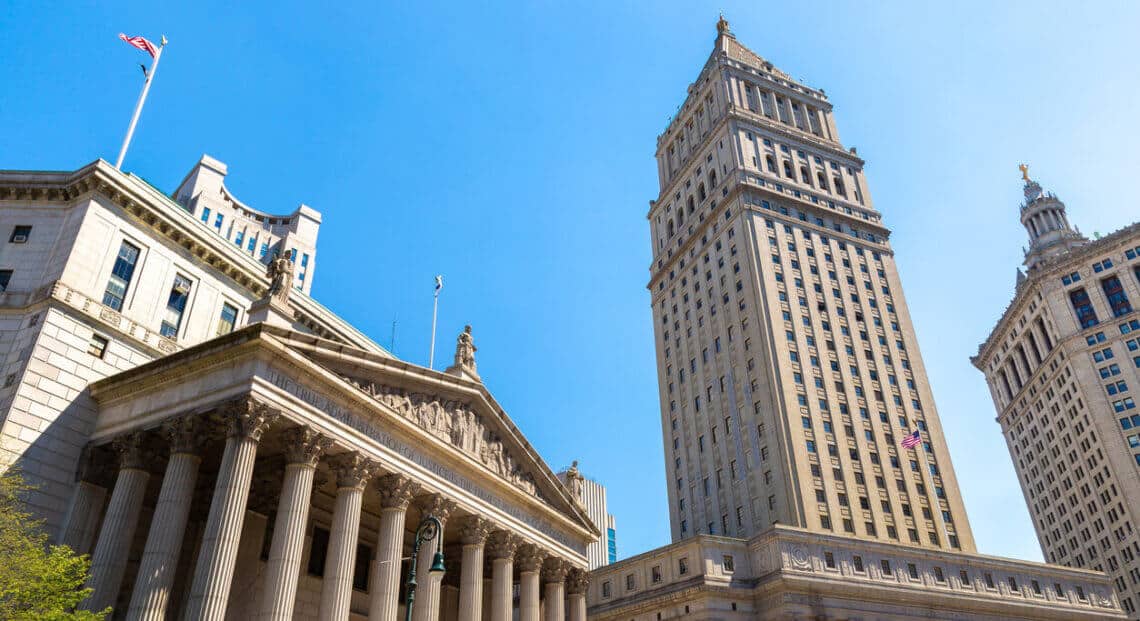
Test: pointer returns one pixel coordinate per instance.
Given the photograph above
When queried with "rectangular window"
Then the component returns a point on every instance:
(206, 215)
(1086, 315)
(5, 278)
(121, 274)
(238, 237)
(218, 222)
(1117, 300)
(252, 244)
(227, 319)
(175, 306)
(97, 346)
(729, 564)
(20, 234)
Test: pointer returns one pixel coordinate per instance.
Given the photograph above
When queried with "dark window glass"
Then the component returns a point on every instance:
(1086, 316)
(121, 274)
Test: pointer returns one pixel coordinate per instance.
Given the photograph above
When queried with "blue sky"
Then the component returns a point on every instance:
(510, 148)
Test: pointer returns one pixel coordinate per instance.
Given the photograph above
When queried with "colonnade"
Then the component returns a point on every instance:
(213, 572)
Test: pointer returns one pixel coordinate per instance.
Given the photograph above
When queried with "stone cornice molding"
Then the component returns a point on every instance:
(353, 470)
(305, 446)
(396, 491)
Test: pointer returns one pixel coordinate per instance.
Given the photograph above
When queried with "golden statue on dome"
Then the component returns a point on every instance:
(1024, 172)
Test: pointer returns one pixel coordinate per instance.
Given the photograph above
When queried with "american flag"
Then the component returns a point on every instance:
(911, 440)
(141, 43)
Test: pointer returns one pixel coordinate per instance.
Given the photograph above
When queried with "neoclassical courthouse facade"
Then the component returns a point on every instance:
(226, 448)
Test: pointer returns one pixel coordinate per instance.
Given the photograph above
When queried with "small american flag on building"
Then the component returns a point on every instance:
(141, 43)
(911, 440)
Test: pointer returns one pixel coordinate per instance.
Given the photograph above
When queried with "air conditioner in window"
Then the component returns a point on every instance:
(19, 239)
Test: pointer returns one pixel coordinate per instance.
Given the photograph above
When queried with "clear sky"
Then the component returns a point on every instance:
(510, 148)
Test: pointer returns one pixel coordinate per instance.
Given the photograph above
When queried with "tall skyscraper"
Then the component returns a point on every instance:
(1060, 365)
(592, 495)
(789, 370)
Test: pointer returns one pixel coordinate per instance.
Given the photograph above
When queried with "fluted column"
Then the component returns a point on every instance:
(246, 420)
(79, 526)
(353, 471)
(396, 492)
(530, 559)
(426, 607)
(576, 584)
(110, 558)
(473, 532)
(303, 450)
(168, 524)
(554, 584)
(501, 547)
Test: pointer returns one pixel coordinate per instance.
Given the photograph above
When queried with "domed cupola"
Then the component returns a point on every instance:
(1043, 216)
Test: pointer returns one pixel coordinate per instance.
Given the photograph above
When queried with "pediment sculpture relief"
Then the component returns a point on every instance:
(455, 423)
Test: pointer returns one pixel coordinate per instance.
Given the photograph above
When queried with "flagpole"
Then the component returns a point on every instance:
(920, 448)
(434, 314)
(139, 105)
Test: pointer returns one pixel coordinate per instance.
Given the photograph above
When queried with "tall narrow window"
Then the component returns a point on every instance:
(1117, 300)
(175, 305)
(206, 215)
(121, 274)
(1086, 316)
(5, 278)
(1045, 334)
(227, 319)
(218, 222)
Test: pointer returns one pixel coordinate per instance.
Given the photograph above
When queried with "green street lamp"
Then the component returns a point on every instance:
(430, 529)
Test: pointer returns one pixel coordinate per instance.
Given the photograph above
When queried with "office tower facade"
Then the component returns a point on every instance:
(789, 370)
(592, 496)
(1061, 364)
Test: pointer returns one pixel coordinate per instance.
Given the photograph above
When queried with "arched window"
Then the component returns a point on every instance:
(701, 192)
(822, 179)
(672, 229)
(771, 163)
(839, 189)
(805, 176)
(692, 207)
(788, 170)
(712, 178)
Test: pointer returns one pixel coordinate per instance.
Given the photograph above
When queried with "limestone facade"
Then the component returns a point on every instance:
(1061, 364)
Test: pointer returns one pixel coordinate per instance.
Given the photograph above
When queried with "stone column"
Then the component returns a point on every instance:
(87, 502)
(353, 471)
(110, 558)
(426, 607)
(164, 540)
(246, 421)
(501, 547)
(554, 584)
(303, 449)
(396, 492)
(576, 584)
(473, 533)
(530, 559)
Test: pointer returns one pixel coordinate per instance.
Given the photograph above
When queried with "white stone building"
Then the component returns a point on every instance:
(227, 448)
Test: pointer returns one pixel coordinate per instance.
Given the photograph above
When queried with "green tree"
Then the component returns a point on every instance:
(37, 581)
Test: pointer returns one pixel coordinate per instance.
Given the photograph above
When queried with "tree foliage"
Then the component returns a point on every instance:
(37, 581)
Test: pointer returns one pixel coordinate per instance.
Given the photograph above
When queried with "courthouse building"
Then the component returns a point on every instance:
(1061, 364)
(227, 448)
(789, 376)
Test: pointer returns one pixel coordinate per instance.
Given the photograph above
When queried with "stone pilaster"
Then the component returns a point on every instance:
(303, 450)
(246, 421)
(501, 547)
(110, 558)
(473, 533)
(529, 559)
(353, 472)
(576, 584)
(168, 524)
(426, 606)
(396, 492)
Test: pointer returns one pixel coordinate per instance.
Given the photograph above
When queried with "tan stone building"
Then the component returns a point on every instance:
(227, 448)
(789, 376)
(1061, 365)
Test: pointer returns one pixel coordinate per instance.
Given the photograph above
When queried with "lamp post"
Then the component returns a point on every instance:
(430, 529)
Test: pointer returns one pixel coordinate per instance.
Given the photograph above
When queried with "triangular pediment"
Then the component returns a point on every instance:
(460, 415)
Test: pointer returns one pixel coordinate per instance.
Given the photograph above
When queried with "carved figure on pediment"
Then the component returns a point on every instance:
(280, 272)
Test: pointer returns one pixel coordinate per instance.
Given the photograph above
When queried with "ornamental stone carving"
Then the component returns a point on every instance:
(247, 418)
(502, 544)
(133, 451)
(305, 446)
(352, 470)
(464, 355)
(529, 557)
(574, 481)
(280, 272)
(577, 582)
(396, 491)
(454, 422)
(93, 467)
(474, 530)
(185, 434)
(436, 505)
(554, 569)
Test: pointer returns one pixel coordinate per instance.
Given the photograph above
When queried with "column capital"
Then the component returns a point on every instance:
(577, 582)
(133, 450)
(93, 467)
(436, 505)
(554, 569)
(247, 418)
(474, 530)
(185, 434)
(502, 544)
(352, 470)
(304, 446)
(529, 557)
(396, 491)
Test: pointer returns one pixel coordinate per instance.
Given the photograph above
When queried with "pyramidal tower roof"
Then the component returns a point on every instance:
(727, 44)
